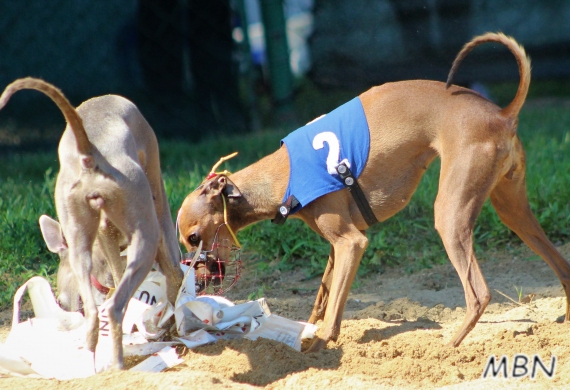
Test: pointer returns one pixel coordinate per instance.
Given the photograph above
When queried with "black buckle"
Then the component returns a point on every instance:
(351, 184)
(284, 210)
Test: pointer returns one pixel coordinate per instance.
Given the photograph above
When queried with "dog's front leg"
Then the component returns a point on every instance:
(348, 247)
(324, 290)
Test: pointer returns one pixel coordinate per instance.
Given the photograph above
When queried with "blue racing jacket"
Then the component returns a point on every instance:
(318, 147)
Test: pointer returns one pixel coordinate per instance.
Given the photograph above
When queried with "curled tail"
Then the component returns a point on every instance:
(69, 112)
(523, 61)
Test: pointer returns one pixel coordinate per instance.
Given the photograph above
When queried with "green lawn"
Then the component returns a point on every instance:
(407, 240)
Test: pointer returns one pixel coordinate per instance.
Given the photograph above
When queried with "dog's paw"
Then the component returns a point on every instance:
(316, 346)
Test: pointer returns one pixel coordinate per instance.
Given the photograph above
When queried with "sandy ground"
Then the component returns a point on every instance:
(393, 335)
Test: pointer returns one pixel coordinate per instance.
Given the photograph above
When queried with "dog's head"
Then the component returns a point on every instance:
(203, 224)
(201, 216)
(67, 287)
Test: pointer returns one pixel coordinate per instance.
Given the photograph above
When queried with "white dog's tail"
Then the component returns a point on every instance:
(71, 116)
(513, 109)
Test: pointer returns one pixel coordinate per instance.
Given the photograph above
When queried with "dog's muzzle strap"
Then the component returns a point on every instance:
(284, 210)
(351, 184)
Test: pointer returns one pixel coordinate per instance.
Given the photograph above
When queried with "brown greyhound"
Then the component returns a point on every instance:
(410, 124)
(109, 190)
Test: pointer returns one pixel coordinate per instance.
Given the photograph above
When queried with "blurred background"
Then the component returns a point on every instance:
(206, 68)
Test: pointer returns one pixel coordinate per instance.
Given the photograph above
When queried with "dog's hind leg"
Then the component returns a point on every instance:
(109, 240)
(80, 236)
(463, 188)
(510, 201)
(168, 255)
(141, 253)
(140, 225)
(169, 268)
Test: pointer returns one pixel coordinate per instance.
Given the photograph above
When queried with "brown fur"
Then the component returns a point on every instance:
(411, 123)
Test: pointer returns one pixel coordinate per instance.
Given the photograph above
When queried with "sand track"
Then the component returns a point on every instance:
(394, 334)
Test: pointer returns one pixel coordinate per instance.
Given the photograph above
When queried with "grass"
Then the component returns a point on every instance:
(24, 196)
(407, 240)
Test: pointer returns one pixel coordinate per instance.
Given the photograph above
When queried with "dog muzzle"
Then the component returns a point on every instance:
(218, 269)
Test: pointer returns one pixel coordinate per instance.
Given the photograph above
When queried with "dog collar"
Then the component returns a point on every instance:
(102, 289)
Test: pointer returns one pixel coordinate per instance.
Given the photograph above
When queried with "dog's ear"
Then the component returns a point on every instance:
(53, 236)
(229, 188)
(218, 185)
